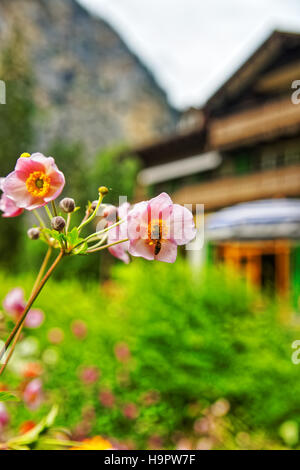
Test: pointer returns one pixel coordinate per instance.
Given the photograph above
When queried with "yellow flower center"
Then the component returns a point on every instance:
(157, 234)
(157, 230)
(25, 155)
(38, 184)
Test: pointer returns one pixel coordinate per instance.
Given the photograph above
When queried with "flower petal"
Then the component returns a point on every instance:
(142, 249)
(183, 228)
(57, 185)
(8, 207)
(25, 166)
(16, 190)
(120, 251)
(168, 252)
(137, 221)
(160, 202)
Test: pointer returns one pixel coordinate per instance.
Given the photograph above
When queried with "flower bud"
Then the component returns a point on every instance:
(58, 223)
(103, 190)
(67, 204)
(33, 233)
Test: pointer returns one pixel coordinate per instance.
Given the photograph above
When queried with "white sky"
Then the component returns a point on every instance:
(192, 46)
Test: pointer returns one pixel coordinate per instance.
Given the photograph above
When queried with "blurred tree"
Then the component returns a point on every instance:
(70, 158)
(116, 169)
(16, 130)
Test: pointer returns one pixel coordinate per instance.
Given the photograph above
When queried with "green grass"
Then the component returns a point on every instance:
(193, 339)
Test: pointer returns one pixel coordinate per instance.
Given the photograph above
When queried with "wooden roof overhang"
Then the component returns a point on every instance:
(228, 127)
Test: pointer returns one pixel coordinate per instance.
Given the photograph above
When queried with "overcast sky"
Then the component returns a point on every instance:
(191, 46)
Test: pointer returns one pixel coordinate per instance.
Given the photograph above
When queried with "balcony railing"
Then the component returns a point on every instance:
(281, 182)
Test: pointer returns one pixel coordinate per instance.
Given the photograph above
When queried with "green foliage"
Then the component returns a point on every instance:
(193, 339)
(117, 170)
(71, 160)
(7, 396)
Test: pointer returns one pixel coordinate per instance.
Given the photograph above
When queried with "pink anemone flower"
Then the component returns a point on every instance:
(7, 206)
(90, 375)
(119, 232)
(35, 181)
(14, 304)
(157, 227)
(33, 394)
(35, 318)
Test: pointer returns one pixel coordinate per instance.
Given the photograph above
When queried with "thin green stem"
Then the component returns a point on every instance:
(103, 240)
(42, 269)
(68, 221)
(18, 334)
(30, 302)
(107, 246)
(101, 232)
(54, 208)
(93, 215)
(39, 218)
(48, 213)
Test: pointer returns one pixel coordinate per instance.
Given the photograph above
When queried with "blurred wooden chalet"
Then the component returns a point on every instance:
(242, 145)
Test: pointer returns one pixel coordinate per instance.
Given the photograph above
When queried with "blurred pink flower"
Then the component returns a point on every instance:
(184, 444)
(205, 443)
(203, 425)
(34, 318)
(14, 304)
(35, 181)
(4, 416)
(79, 329)
(150, 398)
(156, 227)
(107, 398)
(130, 411)
(155, 442)
(33, 394)
(122, 352)
(55, 335)
(89, 375)
(119, 232)
(220, 408)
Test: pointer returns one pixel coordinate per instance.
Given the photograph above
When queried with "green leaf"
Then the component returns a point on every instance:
(7, 396)
(50, 418)
(73, 237)
(52, 234)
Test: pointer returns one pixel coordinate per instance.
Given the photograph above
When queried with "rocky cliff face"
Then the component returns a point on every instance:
(89, 86)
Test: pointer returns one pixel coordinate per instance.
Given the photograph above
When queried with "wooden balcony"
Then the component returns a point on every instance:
(281, 182)
(277, 118)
